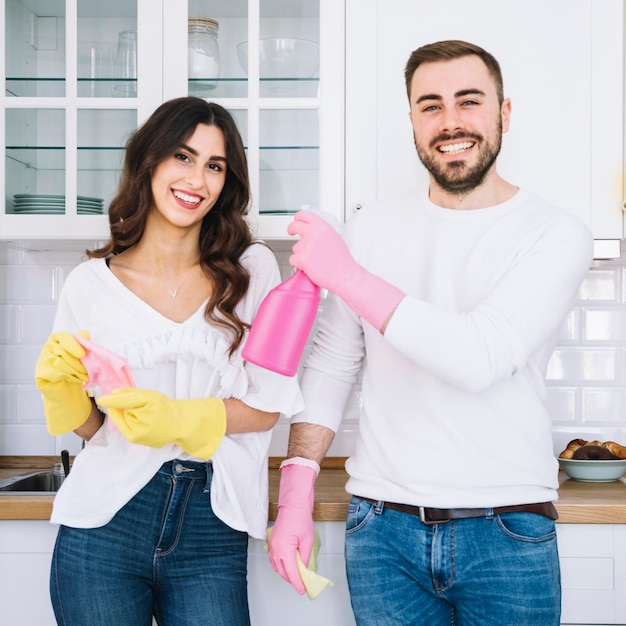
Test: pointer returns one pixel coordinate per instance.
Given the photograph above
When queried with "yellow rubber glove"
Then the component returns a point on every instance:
(153, 419)
(60, 376)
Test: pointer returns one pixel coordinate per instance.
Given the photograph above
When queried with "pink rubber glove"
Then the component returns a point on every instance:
(106, 369)
(293, 530)
(324, 256)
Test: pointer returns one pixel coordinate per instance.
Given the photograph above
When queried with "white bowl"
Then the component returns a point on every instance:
(283, 57)
(594, 471)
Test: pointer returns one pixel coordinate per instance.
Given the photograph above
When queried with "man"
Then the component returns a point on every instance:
(450, 299)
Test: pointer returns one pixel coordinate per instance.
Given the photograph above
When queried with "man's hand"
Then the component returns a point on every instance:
(324, 257)
(293, 531)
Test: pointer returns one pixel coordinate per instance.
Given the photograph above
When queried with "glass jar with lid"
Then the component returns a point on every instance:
(203, 53)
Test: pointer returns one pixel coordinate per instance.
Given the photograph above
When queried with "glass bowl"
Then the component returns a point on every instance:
(283, 57)
(594, 471)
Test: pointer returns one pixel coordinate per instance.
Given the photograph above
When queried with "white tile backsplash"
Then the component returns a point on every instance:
(604, 324)
(28, 284)
(35, 322)
(586, 379)
(26, 439)
(602, 285)
(8, 405)
(581, 365)
(9, 324)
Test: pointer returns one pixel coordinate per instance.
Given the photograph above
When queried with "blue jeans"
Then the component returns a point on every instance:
(501, 570)
(164, 553)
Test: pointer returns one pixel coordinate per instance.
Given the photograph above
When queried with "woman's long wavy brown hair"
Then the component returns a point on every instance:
(224, 235)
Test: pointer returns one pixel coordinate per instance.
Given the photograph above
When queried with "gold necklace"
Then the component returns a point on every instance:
(172, 292)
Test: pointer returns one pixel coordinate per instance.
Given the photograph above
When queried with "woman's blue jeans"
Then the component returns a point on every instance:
(500, 570)
(165, 554)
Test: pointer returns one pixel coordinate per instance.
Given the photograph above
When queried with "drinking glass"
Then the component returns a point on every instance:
(94, 71)
(127, 61)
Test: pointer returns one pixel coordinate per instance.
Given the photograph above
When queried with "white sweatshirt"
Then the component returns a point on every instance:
(183, 360)
(453, 395)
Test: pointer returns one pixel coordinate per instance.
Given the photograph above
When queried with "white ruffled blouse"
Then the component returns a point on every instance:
(185, 360)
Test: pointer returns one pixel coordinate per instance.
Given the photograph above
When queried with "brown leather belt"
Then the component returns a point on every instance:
(440, 516)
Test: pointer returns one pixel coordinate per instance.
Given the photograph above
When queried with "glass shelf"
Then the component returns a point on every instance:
(218, 87)
(40, 158)
(53, 157)
(23, 87)
(288, 87)
(269, 87)
(107, 87)
(103, 158)
(55, 87)
(35, 87)
(287, 158)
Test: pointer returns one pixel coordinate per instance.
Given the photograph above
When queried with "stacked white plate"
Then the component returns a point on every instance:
(50, 204)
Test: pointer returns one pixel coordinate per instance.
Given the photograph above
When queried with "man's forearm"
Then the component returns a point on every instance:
(310, 441)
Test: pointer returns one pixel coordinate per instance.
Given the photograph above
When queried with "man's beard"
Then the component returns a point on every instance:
(455, 177)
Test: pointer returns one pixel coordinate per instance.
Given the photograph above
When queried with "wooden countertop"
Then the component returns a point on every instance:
(579, 503)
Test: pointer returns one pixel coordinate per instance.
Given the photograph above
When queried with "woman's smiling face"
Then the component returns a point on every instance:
(186, 185)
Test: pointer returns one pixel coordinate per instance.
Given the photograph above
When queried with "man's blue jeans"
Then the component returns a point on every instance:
(164, 554)
(501, 570)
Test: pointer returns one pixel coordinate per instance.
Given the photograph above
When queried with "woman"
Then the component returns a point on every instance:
(156, 513)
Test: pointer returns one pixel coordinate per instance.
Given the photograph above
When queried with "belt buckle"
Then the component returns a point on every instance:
(422, 512)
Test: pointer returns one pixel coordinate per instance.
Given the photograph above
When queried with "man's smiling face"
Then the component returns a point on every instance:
(457, 122)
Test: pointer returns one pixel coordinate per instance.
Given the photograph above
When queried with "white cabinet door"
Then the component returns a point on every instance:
(288, 110)
(25, 555)
(593, 573)
(273, 601)
(26, 552)
(593, 570)
(562, 64)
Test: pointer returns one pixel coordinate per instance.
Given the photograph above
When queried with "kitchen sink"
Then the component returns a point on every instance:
(34, 482)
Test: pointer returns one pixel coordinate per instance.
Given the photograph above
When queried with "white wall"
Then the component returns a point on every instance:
(586, 375)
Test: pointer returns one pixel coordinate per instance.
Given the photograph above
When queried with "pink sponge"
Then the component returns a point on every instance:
(106, 369)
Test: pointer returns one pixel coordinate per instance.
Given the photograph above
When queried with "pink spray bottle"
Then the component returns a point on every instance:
(282, 325)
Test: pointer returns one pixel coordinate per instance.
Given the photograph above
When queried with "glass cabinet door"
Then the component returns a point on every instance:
(74, 92)
(264, 59)
(80, 75)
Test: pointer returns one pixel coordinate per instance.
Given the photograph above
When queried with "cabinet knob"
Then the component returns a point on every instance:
(357, 206)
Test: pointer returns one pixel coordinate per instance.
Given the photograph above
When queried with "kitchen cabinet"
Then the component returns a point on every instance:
(274, 601)
(562, 64)
(80, 75)
(26, 551)
(593, 571)
(69, 105)
(25, 554)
